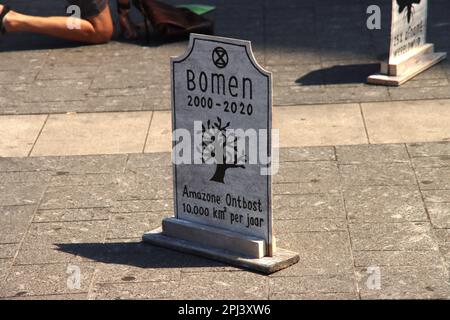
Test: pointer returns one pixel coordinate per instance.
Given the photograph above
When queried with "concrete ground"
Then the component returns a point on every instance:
(363, 188)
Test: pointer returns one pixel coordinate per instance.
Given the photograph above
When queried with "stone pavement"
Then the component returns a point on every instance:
(299, 126)
(319, 51)
(344, 209)
(364, 182)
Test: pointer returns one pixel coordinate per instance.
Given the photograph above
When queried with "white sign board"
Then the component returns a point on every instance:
(409, 27)
(217, 89)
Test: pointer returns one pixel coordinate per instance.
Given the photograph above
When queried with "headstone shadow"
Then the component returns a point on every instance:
(136, 254)
(339, 74)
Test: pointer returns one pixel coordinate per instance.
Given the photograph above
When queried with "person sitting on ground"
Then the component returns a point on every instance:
(95, 24)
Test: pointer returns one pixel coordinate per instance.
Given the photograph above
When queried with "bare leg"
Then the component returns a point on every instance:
(98, 29)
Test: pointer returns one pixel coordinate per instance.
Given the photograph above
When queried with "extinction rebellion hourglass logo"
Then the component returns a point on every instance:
(220, 57)
(409, 6)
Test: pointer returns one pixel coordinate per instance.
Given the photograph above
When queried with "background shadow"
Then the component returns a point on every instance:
(339, 74)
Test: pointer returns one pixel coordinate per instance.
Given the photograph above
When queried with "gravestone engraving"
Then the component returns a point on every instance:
(408, 27)
(409, 53)
(222, 153)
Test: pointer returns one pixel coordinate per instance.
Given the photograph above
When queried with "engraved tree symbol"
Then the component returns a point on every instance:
(216, 145)
(408, 4)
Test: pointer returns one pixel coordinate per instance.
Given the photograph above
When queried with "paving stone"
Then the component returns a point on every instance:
(289, 96)
(433, 178)
(97, 133)
(308, 206)
(8, 250)
(303, 188)
(308, 225)
(419, 93)
(320, 172)
(431, 162)
(47, 91)
(194, 264)
(410, 121)
(307, 154)
(439, 214)
(138, 290)
(320, 253)
(19, 133)
(356, 94)
(153, 174)
(14, 222)
(66, 73)
(125, 206)
(78, 58)
(24, 177)
(116, 80)
(114, 103)
(92, 164)
(377, 174)
(371, 153)
(429, 149)
(5, 265)
(406, 283)
(384, 204)
(46, 255)
(392, 236)
(68, 164)
(46, 279)
(21, 194)
(67, 215)
(289, 56)
(128, 93)
(223, 285)
(436, 195)
(44, 235)
(443, 236)
(314, 296)
(420, 83)
(319, 125)
(159, 138)
(149, 160)
(34, 60)
(27, 164)
(44, 107)
(63, 179)
(154, 190)
(343, 283)
(397, 258)
(436, 72)
(72, 197)
(446, 254)
(134, 267)
(291, 75)
(53, 297)
(156, 104)
(133, 224)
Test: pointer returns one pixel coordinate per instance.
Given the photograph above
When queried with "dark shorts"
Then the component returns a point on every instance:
(89, 8)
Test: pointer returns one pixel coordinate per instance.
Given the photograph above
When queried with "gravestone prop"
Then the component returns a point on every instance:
(409, 53)
(222, 121)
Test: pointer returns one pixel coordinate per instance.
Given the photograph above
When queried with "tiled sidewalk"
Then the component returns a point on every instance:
(343, 208)
(85, 168)
(314, 125)
(320, 52)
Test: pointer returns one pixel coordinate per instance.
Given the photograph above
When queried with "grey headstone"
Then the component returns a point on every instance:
(219, 82)
(408, 26)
